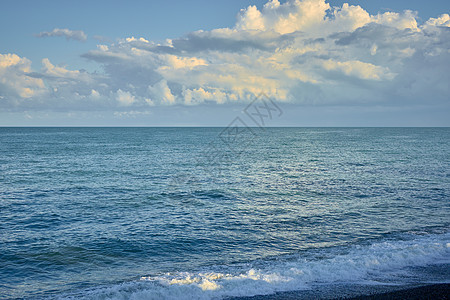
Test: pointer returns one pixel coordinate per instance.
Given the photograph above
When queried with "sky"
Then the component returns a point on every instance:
(201, 63)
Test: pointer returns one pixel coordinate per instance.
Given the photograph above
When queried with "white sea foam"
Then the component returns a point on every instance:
(381, 262)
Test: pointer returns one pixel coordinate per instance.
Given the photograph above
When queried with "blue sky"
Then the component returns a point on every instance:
(199, 63)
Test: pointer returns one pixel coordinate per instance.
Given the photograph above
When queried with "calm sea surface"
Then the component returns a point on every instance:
(201, 213)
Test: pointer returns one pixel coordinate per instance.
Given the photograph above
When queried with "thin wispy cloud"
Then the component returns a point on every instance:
(77, 35)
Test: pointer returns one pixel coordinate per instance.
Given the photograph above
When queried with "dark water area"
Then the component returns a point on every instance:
(197, 213)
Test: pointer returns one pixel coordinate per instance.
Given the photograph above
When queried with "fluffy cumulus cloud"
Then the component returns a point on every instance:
(298, 51)
(15, 84)
(78, 35)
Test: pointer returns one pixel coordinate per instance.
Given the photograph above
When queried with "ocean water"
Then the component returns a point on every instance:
(209, 213)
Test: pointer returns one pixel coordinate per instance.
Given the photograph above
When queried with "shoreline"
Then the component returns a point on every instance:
(434, 291)
(439, 291)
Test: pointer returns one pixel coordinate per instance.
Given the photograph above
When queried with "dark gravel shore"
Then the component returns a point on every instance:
(434, 291)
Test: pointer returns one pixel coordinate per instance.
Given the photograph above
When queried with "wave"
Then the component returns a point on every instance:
(382, 262)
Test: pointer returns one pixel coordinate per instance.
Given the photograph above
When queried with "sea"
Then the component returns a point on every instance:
(221, 213)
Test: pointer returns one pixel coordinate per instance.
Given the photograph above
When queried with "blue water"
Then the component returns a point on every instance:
(188, 213)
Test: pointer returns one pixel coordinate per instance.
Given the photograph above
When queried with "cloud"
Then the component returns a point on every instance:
(359, 69)
(51, 71)
(441, 21)
(125, 98)
(162, 92)
(283, 18)
(303, 52)
(15, 83)
(78, 35)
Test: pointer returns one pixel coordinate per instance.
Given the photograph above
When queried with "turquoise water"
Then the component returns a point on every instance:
(197, 213)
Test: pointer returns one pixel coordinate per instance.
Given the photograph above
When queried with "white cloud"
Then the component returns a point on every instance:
(432, 23)
(283, 18)
(295, 51)
(49, 70)
(14, 79)
(359, 69)
(132, 39)
(407, 20)
(162, 92)
(131, 113)
(250, 19)
(125, 98)
(103, 48)
(176, 62)
(349, 17)
(95, 94)
(200, 95)
(78, 35)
